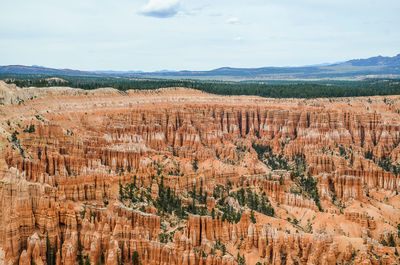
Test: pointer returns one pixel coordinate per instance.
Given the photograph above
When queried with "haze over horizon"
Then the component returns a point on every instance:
(151, 35)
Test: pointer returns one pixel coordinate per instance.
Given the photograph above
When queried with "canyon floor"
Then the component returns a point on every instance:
(178, 176)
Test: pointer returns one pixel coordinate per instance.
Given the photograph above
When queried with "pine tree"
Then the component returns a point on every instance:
(252, 218)
(121, 192)
(194, 164)
(398, 229)
(49, 255)
(135, 258)
(122, 254)
(87, 261)
(54, 254)
(79, 255)
(391, 242)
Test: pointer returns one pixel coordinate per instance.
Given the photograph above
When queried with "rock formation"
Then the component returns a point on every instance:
(88, 177)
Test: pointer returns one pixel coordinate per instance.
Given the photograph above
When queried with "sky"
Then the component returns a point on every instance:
(151, 35)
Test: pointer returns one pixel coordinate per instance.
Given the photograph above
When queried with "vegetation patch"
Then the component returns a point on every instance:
(271, 88)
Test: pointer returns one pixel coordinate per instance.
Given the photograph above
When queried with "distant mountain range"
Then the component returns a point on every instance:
(378, 66)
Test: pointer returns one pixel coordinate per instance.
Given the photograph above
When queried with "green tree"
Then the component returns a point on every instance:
(135, 258)
(121, 192)
(194, 164)
(122, 254)
(240, 260)
(50, 258)
(252, 217)
(398, 230)
(391, 241)
(87, 261)
(79, 254)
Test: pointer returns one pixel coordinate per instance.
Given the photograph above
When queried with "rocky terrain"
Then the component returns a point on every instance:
(178, 176)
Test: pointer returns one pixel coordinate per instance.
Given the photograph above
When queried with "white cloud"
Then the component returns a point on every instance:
(238, 38)
(161, 8)
(232, 20)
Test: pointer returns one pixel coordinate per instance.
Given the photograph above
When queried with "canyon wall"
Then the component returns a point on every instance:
(66, 153)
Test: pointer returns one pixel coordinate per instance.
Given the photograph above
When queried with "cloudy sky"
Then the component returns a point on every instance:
(197, 35)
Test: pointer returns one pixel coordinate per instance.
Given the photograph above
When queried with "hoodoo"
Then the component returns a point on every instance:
(178, 176)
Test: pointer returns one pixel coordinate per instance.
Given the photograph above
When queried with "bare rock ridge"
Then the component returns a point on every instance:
(177, 176)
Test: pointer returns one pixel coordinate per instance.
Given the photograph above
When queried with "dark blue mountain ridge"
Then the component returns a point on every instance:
(377, 61)
(375, 66)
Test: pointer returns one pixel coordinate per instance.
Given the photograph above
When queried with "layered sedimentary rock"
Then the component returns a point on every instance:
(66, 154)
